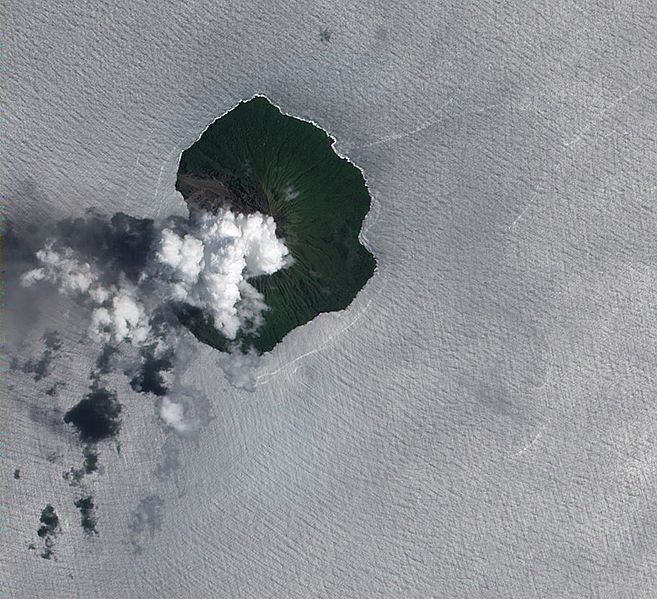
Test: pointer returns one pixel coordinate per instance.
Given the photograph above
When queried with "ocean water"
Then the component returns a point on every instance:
(478, 423)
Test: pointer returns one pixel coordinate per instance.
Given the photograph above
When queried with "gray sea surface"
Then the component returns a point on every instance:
(480, 422)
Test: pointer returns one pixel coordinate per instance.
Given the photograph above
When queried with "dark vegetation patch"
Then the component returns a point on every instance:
(256, 158)
(97, 416)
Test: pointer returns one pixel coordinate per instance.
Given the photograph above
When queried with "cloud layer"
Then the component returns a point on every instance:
(205, 262)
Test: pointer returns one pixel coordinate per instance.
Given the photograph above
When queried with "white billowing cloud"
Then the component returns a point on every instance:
(206, 263)
(122, 319)
(101, 324)
(173, 415)
(183, 254)
(129, 318)
(61, 268)
(118, 316)
(264, 253)
(209, 266)
(99, 294)
(32, 276)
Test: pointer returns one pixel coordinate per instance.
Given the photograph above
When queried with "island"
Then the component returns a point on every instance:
(257, 159)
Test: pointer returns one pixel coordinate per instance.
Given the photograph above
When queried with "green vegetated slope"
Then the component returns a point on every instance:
(256, 158)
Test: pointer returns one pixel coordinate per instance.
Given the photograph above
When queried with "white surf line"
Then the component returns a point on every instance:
(403, 134)
(535, 195)
(513, 224)
(324, 345)
(134, 170)
(424, 126)
(433, 120)
(529, 205)
(371, 218)
(529, 445)
(157, 189)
